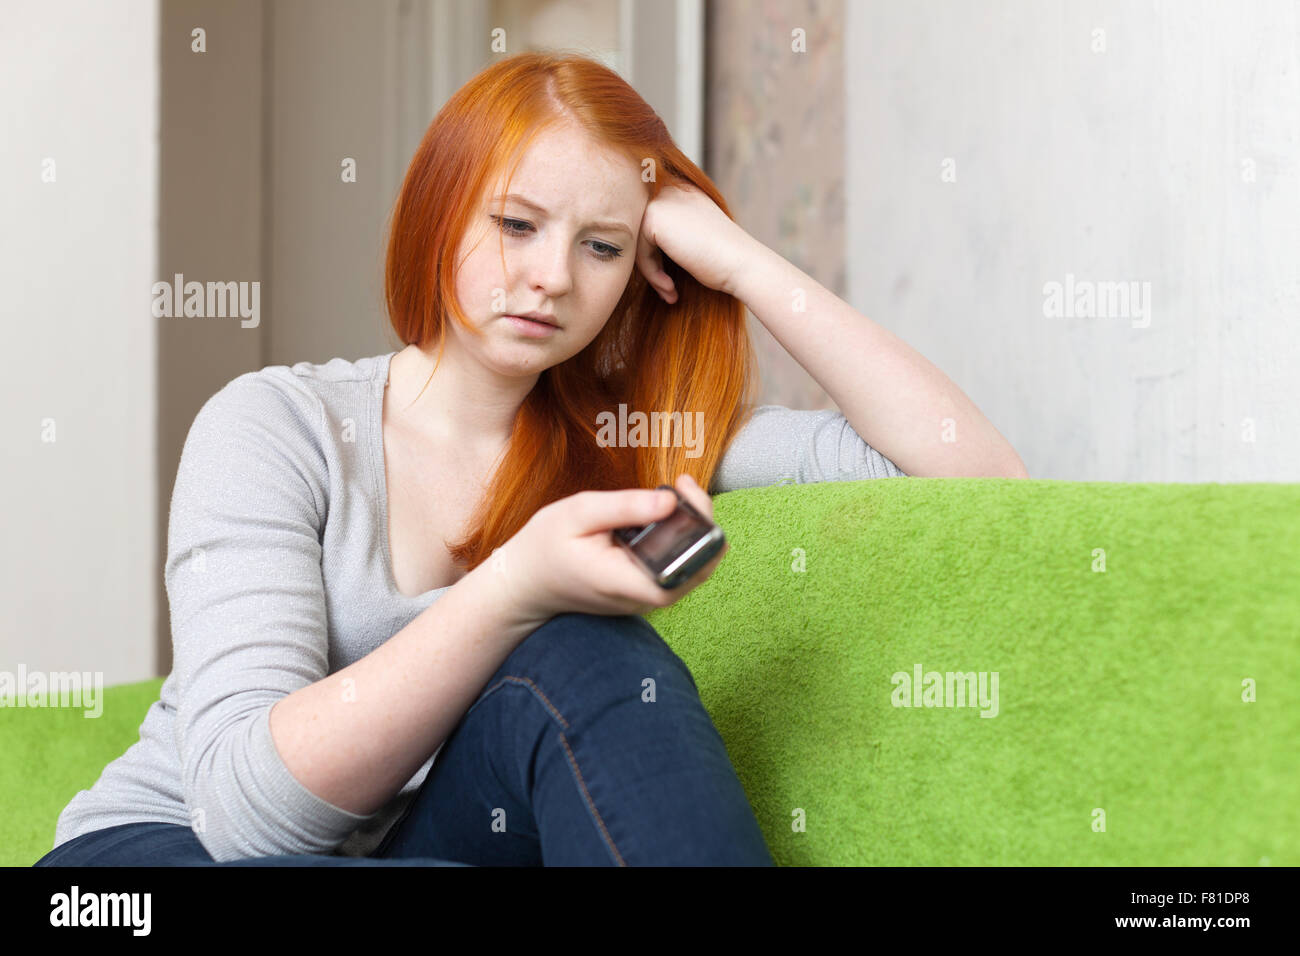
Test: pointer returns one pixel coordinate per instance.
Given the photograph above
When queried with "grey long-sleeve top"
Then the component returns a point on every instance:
(278, 574)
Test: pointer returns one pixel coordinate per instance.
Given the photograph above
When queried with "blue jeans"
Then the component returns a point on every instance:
(588, 747)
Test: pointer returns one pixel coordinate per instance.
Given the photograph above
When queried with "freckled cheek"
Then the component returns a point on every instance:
(591, 298)
(480, 286)
(602, 303)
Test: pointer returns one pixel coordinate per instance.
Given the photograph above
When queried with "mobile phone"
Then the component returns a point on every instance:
(675, 547)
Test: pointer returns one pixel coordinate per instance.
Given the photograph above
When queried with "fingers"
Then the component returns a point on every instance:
(605, 510)
(700, 500)
(646, 262)
(591, 512)
(649, 261)
(629, 579)
(697, 497)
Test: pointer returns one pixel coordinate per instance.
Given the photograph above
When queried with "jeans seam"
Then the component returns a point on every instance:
(573, 760)
(536, 690)
(591, 804)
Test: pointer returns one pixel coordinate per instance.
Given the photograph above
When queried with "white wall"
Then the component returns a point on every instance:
(1130, 164)
(78, 84)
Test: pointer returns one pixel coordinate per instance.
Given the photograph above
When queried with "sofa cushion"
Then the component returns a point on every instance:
(1127, 626)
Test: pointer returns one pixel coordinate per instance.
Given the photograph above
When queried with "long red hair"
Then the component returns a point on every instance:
(693, 356)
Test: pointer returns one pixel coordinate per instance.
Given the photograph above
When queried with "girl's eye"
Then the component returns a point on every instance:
(508, 226)
(516, 227)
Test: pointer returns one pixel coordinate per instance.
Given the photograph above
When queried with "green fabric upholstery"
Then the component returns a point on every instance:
(1129, 626)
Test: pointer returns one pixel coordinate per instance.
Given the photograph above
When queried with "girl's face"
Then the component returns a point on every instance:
(569, 234)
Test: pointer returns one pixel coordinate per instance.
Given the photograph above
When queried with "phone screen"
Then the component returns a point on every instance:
(667, 538)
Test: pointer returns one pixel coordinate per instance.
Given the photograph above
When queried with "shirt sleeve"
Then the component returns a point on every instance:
(779, 446)
(248, 614)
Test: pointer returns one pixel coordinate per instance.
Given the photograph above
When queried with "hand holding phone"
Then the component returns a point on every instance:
(568, 557)
(673, 549)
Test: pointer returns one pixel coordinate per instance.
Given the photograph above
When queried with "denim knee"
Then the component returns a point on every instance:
(587, 645)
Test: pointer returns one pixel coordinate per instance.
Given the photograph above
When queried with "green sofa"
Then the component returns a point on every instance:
(1145, 640)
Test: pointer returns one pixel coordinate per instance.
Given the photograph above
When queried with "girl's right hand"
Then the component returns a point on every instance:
(564, 559)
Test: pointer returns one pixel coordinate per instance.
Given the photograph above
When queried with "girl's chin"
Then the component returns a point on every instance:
(513, 364)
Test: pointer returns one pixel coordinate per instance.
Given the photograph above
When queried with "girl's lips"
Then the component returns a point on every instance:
(530, 328)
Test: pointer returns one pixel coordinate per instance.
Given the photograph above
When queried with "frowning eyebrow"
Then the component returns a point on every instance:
(611, 224)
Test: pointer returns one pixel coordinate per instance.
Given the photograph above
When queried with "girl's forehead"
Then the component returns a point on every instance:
(607, 187)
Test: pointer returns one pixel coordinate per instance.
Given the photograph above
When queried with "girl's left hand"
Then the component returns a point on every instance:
(696, 234)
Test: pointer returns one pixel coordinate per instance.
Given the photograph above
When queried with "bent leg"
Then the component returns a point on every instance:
(131, 844)
(589, 746)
